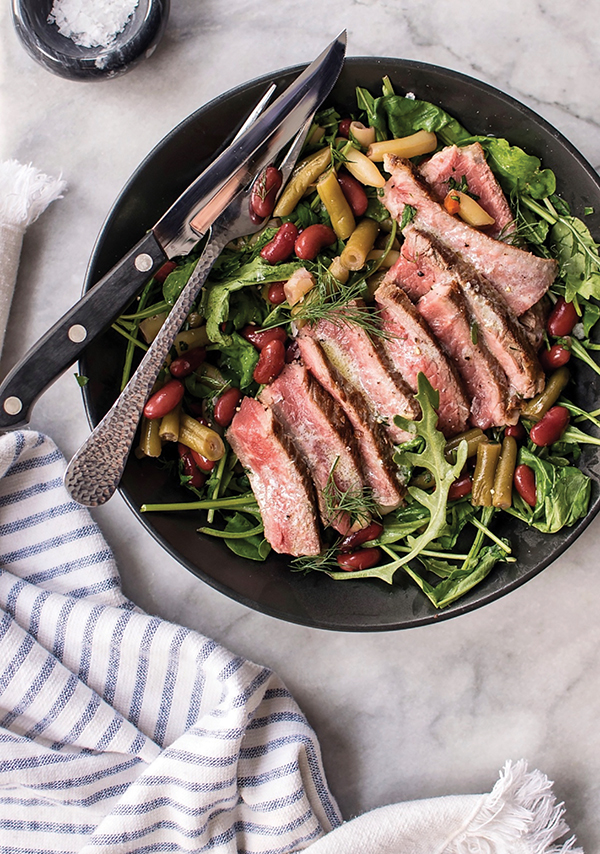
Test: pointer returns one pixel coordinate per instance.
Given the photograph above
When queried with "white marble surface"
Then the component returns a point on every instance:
(403, 715)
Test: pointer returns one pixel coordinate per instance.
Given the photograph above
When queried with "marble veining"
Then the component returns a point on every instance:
(419, 713)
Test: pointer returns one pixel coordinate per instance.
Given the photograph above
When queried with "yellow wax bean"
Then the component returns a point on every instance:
(388, 259)
(363, 169)
(336, 205)
(421, 142)
(150, 444)
(200, 438)
(364, 135)
(305, 174)
(359, 245)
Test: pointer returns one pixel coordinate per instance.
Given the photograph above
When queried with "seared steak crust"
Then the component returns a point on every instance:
(521, 278)
(318, 426)
(412, 349)
(375, 448)
(279, 478)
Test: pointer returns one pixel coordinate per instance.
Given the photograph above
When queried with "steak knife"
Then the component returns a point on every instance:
(175, 234)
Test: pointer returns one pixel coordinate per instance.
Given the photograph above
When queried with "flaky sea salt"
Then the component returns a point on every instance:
(91, 23)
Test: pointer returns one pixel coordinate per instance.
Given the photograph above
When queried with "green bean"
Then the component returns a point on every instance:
(485, 470)
(503, 479)
(535, 408)
(473, 438)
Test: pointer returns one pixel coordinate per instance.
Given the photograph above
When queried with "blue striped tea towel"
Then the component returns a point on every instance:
(123, 733)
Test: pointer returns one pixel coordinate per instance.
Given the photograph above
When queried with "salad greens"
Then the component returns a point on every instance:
(445, 546)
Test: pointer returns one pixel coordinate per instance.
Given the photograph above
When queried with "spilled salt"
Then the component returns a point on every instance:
(91, 23)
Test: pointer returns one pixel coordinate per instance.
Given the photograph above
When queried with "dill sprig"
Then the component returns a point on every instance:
(357, 502)
(324, 562)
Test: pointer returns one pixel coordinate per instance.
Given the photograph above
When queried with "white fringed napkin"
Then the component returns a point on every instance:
(122, 733)
(25, 193)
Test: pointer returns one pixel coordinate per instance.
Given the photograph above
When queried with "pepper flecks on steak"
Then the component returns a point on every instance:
(496, 324)
(521, 278)
(279, 479)
(375, 448)
(468, 162)
(447, 314)
(364, 364)
(318, 427)
(413, 271)
(413, 349)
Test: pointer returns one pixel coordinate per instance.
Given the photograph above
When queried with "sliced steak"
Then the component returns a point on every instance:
(501, 331)
(448, 316)
(521, 278)
(375, 448)
(320, 430)
(413, 349)
(364, 364)
(412, 271)
(468, 164)
(279, 479)
(534, 320)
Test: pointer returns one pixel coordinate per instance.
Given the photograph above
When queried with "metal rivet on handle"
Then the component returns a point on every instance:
(77, 333)
(13, 405)
(143, 262)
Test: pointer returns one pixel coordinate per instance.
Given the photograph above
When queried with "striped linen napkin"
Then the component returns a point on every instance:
(123, 733)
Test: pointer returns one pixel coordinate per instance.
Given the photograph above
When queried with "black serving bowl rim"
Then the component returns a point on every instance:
(344, 612)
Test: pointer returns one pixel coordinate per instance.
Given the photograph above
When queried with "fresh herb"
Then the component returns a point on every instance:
(356, 503)
(81, 380)
(408, 214)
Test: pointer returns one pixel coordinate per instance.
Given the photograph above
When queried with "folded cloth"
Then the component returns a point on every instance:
(25, 193)
(121, 732)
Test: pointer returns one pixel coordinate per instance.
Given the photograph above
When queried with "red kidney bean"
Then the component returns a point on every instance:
(187, 363)
(370, 532)
(202, 462)
(162, 272)
(361, 559)
(282, 246)
(354, 193)
(309, 242)
(225, 406)
(292, 351)
(264, 191)
(261, 337)
(551, 427)
(553, 358)
(563, 318)
(462, 486)
(517, 431)
(164, 400)
(276, 294)
(270, 362)
(190, 469)
(344, 128)
(524, 481)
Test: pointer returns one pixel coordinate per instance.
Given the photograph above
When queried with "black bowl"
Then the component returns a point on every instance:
(316, 600)
(61, 55)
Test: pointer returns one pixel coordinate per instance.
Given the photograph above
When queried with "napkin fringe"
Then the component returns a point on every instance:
(25, 192)
(520, 810)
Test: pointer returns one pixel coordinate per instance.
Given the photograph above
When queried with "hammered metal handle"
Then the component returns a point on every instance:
(94, 473)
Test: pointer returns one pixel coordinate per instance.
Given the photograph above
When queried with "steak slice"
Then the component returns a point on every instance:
(501, 331)
(320, 430)
(375, 448)
(364, 364)
(412, 349)
(521, 278)
(468, 162)
(447, 313)
(412, 271)
(279, 479)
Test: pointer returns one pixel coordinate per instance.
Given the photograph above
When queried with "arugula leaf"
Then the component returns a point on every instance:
(432, 458)
(563, 495)
(407, 115)
(252, 547)
(217, 295)
(577, 256)
(177, 280)
(237, 360)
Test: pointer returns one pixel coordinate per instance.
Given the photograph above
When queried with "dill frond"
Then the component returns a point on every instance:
(359, 503)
